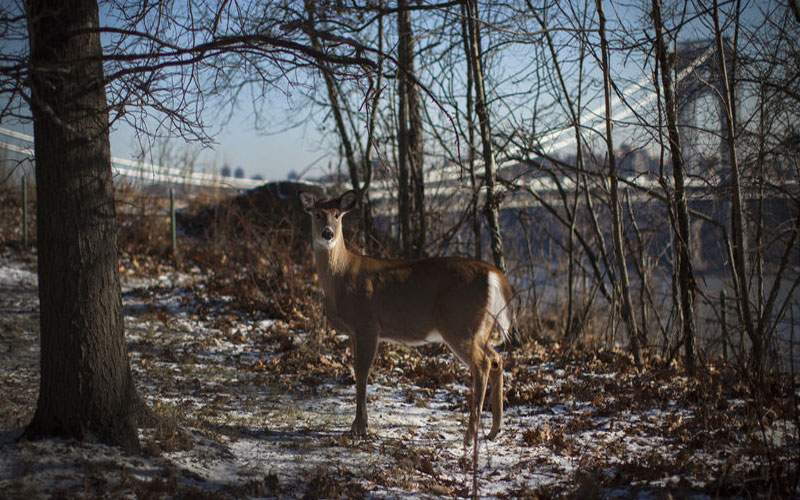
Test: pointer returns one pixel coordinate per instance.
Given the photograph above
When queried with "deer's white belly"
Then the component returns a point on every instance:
(432, 337)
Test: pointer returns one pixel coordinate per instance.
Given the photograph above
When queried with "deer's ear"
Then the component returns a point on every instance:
(308, 200)
(348, 201)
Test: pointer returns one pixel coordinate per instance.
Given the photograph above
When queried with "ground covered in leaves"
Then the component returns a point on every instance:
(251, 406)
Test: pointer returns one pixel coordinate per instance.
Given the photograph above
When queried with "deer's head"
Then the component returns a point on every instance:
(326, 217)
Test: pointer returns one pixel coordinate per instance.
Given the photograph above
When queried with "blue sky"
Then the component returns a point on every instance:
(272, 156)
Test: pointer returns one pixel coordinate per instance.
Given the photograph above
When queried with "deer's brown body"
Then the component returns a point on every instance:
(457, 301)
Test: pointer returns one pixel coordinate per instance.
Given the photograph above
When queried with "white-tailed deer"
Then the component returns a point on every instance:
(457, 301)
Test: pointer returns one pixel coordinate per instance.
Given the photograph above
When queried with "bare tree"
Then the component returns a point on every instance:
(681, 240)
(616, 207)
(471, 150)
(409, 139)
(738, 234)
(482, 110)
(86, 386)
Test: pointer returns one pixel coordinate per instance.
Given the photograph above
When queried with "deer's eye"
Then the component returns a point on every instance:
(318, 215)
(336, 213)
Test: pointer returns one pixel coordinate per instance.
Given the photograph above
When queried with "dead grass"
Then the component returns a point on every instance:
(333, 483)
(11, 215)
(169, 433)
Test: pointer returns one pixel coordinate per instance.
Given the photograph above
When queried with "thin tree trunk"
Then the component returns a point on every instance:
(574, 111)
(415, 144)
(404, 195)
(681, 229)
(481, 109)
(616, 217)
(738, 240)
(333, 97)
(366, 206)
(86, 389)
(475, 212)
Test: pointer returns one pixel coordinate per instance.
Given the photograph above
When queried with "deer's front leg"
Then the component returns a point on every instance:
(365, 345)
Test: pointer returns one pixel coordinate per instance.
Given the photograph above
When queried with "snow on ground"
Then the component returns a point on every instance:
(250, 407)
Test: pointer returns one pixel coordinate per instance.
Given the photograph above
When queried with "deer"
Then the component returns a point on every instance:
(460, 302)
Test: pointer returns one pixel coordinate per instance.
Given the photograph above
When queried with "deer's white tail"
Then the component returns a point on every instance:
(499, 306)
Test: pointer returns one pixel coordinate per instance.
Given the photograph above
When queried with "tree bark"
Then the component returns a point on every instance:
(366, 206)
(86, 389)
(481, 109)
(616, 217)
(683, 256)
(403, 193)
(412, 181)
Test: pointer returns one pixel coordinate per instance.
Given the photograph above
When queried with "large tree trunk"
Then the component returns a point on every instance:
(682, 249)
(482, 110)
(86, 389)
(616, 216)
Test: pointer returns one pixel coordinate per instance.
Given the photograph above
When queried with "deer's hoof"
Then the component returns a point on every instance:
(493, 433)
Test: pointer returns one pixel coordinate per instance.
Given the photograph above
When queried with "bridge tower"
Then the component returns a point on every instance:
(701, 121)
(704, 131)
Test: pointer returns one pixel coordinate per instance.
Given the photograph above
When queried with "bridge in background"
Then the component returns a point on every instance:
(445, 184)
(138, 172)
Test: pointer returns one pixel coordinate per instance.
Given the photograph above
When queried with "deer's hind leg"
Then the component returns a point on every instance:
(480, 367)
(496, 397)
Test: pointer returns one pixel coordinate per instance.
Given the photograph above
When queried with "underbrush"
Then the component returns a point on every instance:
(261, 269)
(11, 215)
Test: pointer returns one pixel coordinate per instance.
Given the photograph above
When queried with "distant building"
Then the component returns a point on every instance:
(257, 178)
(239, 173)
(225, 171)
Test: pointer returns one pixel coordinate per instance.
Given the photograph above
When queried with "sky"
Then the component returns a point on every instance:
(240, 144)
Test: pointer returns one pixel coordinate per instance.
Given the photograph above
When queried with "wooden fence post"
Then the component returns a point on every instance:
(172, 225)
(724, 320)
(25, 211)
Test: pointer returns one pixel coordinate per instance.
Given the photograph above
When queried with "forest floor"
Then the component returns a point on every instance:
(255, 407)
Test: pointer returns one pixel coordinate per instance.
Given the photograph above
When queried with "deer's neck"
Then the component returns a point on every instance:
(332, 264)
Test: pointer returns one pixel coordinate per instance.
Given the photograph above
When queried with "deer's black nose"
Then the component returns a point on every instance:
(327, 233)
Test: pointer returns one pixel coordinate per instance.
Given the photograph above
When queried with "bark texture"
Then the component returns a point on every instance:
(412, 181)
(86, 390)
